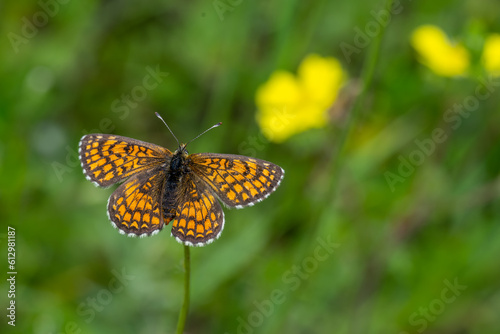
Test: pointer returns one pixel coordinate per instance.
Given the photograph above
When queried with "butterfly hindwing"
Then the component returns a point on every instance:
(199, 218)
(135, 208)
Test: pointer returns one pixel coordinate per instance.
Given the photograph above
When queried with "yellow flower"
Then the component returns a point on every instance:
(491, 54)
(438, 53)
(289, 104)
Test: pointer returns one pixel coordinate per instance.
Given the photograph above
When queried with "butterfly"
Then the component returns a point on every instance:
(160, 186)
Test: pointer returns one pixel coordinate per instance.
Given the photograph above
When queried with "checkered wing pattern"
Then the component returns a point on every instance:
(159, 186)
(108, 159)
(199, 218)
(237, 180)
(134, 207)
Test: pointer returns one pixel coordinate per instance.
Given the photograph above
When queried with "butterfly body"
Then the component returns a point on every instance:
(160, 186)
(176, 169)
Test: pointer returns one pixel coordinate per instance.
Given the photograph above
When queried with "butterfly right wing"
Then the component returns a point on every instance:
(237, 180)
(108, 159)
(199, 218)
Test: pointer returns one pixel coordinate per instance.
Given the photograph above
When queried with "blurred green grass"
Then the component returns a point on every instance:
(396, 248)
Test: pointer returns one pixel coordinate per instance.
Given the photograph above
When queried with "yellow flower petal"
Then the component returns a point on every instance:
(288, 105)
(491, 54)
(281, 90)
(276, 124)
(310, 117)
(275, 100)
(438, 53)
(321, 79)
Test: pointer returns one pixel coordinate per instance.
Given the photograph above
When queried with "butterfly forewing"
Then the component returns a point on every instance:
(237, 180)
(108, 159)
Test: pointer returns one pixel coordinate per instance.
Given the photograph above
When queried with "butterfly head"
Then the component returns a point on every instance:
(182, 150)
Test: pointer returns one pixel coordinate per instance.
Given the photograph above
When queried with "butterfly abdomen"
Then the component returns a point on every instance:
(176, 170)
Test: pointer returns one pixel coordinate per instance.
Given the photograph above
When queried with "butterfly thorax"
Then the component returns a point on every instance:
(175, 171)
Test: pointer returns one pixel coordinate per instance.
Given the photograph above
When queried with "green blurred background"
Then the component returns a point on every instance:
(397, 250)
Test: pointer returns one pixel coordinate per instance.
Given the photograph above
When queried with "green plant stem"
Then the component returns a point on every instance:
(367, 74)
(185, 304)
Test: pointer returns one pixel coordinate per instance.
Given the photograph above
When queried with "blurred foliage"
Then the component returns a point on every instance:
(379, 213)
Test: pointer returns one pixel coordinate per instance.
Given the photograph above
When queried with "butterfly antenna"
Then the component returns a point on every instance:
(158, 115)
(210, 128)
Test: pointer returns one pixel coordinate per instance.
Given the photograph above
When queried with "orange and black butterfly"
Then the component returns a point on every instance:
(161, 186)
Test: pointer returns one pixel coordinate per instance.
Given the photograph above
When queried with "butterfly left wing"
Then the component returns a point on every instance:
(135, 206)
(108, 159)
(199, 218)
(237, 180)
